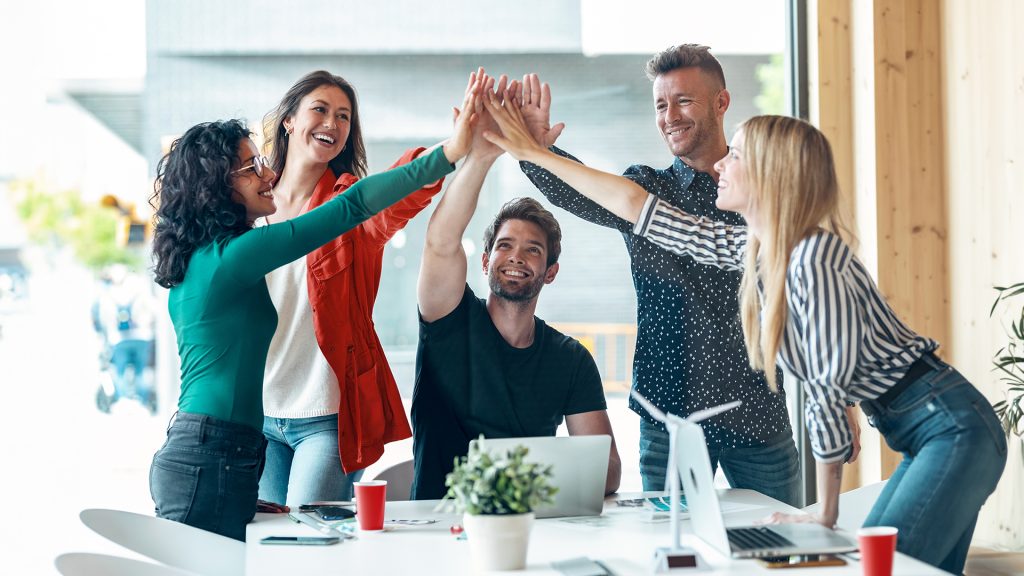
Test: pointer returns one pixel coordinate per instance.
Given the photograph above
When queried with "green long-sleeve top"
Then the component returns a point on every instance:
(222, 313)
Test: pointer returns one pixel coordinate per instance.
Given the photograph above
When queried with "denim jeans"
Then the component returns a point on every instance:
(303, 465)
(953, 454)
(772, 469)
(206, 474)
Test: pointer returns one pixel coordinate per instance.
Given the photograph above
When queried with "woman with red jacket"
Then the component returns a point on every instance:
(330, 400)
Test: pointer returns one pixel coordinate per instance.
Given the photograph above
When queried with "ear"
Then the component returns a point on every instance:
(550, 273)
(484, 259)
(722, 102)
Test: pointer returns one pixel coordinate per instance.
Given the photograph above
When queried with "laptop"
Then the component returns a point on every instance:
(747, 541)
(579, 467)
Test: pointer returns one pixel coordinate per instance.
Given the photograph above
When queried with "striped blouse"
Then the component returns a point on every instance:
(841, 342)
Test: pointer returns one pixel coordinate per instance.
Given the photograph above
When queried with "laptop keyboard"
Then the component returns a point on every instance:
(756, 537)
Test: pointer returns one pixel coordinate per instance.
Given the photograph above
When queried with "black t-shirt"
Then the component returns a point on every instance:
(470, 381)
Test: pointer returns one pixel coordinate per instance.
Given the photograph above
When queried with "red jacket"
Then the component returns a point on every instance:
(343, 277)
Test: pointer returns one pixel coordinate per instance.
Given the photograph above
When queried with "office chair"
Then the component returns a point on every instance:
(399, 477)
(85, 564)
(171, 543)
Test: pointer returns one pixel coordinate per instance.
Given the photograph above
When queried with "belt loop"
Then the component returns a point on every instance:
(170, 422)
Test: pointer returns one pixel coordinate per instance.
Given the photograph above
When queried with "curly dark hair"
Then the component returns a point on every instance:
(351, 159)
(192, 196)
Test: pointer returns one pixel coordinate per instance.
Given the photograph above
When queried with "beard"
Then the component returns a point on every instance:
(524, 292)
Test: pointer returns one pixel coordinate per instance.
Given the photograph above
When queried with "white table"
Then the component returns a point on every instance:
(624, 539)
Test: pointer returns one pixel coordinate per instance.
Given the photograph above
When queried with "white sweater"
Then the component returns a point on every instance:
(298, 382)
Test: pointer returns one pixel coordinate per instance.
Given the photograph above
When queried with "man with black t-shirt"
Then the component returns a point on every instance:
(490, 366)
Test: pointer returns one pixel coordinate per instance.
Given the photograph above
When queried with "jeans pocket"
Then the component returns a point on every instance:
(173, 487)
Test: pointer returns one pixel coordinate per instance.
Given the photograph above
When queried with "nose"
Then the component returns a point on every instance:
(671, 114)
(328, 123)
(514, 257)
(720, 165)
(268, 174)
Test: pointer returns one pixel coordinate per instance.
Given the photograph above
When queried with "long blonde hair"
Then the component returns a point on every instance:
(794, 193)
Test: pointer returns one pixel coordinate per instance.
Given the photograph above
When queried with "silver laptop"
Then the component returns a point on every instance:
(740, 542)
(579, 467)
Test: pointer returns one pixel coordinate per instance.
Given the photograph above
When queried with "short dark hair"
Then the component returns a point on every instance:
(192, 196)
(351, 159)
(685, 56)
(530, 210)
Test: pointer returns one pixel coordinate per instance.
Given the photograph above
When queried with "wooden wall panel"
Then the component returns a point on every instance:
(984, 137)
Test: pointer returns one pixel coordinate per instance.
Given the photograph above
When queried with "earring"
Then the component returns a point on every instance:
(288, 131)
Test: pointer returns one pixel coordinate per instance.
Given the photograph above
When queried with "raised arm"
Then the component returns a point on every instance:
(620, 196)
(443, 269)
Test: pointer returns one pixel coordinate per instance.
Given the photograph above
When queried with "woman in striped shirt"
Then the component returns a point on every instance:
(808, 304)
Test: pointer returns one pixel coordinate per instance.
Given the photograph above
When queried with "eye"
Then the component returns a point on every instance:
(660, 107)
(685, 101)
(343, 116)
(319, 109)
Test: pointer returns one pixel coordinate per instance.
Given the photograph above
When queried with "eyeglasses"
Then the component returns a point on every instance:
(257, 166)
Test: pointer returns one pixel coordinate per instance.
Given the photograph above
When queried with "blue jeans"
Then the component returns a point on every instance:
(303, 465)
(206, 474)
(772, 468)
(953, 455)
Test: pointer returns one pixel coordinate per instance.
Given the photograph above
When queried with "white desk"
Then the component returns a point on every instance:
(622, 538)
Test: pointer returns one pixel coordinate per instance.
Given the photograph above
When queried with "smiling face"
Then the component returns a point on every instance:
(252, 191)
(689, 108)
(321, 124)
(733, 185)
(516, 265)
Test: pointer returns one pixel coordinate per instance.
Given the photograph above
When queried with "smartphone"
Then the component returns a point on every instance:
(301, 540)
(801, 561)
(334, 512)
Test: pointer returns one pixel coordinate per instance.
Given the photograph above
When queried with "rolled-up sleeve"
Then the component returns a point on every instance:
(833, 331)
(707, 241)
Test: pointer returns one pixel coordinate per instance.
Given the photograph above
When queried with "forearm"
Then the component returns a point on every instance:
(619, 195)
(378, 191)
(451, 218)
(830, 477)
(611, 483)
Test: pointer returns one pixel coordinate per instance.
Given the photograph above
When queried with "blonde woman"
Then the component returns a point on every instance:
(810, 306)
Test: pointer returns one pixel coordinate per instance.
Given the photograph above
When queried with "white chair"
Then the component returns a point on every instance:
(399, 477)
(84, 564)
(171, 543)
(855, 505)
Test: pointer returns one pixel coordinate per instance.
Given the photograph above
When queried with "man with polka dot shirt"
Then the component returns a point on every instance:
(689, 353)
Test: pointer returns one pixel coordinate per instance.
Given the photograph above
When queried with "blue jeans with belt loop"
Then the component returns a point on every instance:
(207, 474)
(953, 451)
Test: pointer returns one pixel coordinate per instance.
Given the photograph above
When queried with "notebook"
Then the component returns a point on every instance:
(579, 467)
(746, 541)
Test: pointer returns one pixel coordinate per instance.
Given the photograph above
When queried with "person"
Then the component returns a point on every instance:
(809, 305)
(210, 189)
(689, 355)
(490, 366)
(330, 401)
(123, 317)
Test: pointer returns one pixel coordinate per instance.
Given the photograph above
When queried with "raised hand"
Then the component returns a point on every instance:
(458, 145)
(481, 147)
(515, 137)
(535, 102)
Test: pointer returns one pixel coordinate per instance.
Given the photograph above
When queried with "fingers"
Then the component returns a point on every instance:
(527, 90)
(535, 91)
(554, 133)
(502, 85)
(545, 97)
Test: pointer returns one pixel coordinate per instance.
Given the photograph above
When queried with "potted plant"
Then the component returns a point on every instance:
(497, 494)
(1010, 361)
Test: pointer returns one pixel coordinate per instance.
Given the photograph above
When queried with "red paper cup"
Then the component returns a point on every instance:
(370, 496)
(877, 548)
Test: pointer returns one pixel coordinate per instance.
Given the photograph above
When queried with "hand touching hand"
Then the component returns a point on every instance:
(481, 147)
(515, 137)
(535, 102)
(462, 133)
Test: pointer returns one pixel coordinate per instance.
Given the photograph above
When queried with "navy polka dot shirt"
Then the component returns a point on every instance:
(689, 351)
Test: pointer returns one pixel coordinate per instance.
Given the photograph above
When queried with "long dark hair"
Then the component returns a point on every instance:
(192, 196)
(351, 159)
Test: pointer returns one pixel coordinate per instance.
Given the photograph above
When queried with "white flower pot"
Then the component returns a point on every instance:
(498, 542)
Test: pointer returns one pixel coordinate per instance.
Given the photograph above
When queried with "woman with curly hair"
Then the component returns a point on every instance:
(809, 305)
(210, 189)
(330, 401)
